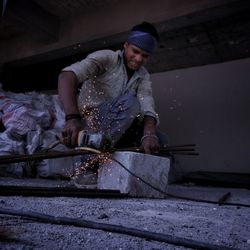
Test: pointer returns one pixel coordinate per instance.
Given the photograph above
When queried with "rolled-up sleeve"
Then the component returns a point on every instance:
(145, 98)
(94, 64)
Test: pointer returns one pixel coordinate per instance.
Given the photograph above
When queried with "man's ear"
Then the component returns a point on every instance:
(125, 45)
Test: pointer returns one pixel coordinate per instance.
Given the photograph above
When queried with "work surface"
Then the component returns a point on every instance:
(205, 223)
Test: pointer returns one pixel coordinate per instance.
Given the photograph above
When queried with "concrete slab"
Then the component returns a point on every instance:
(152, 169)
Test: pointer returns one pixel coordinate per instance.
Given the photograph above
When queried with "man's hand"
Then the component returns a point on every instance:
(149, 141)
(70, 132)
(67, 90)
(150, 144)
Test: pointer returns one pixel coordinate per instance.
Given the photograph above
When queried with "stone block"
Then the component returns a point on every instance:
(150, 168)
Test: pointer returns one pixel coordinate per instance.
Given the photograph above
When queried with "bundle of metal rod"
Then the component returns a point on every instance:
(185, 149)
(185, 153)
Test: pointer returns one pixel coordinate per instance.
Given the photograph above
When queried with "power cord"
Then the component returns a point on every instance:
(173, 195)
(159, 190)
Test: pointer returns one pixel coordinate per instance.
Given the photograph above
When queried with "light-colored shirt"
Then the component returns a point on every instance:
(103, 76)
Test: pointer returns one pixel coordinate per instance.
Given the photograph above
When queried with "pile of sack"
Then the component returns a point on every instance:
(30, 123)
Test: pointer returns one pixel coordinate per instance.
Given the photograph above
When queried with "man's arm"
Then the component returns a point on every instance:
(67, 90)
(149, 141)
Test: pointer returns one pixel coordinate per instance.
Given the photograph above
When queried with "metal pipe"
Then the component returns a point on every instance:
(170, 239)
(35, 191)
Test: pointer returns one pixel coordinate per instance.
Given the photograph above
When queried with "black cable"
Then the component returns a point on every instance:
(116, 229)
(176, 196)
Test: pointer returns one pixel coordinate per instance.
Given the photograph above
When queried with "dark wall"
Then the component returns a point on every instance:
(34, 77)
(208, 106)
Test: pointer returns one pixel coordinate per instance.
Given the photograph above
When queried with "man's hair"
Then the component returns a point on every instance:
(147, 28)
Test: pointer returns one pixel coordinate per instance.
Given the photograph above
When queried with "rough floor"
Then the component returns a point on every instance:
(224, 225)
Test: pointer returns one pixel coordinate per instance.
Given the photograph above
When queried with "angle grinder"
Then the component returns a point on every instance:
(94, 140)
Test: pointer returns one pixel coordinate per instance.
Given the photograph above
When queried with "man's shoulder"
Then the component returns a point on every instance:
(143, 72)
(106, 53)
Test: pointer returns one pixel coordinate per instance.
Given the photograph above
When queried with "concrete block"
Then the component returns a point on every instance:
(152, 169)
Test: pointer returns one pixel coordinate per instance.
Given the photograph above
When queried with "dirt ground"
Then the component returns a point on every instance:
(225, 226)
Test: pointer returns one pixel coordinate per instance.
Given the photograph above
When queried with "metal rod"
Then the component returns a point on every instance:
(181, 145)
(177, 149)
(186, 147)
(224, 198)
(9, 190)
(183, 153)
(6, 159)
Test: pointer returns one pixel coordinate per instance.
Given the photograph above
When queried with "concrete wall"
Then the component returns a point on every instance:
(208, 106)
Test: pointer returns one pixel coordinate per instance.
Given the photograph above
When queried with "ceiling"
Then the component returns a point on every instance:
(65, 8)
(42, 17)
(211, 36)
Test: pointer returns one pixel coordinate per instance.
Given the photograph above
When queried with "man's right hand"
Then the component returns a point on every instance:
(67, 90)
(70, 132)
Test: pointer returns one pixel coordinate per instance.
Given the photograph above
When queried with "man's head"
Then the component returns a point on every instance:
(141, 42)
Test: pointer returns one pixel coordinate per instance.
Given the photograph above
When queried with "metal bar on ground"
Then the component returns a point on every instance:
(6, 159)
(11, 190)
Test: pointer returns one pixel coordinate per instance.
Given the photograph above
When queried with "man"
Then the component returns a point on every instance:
(115, 90)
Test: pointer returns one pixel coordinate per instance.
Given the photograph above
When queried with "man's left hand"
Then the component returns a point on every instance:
(150, 144)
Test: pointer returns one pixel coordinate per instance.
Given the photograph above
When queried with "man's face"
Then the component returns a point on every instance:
(134, 56)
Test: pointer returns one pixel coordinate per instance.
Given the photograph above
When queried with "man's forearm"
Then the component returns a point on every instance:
(149, 125)
(67, 90)
(149, 140)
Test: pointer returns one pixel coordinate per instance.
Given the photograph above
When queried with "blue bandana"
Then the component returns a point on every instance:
(142, 40)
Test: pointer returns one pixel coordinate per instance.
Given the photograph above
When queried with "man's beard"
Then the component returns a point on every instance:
(133, 65)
